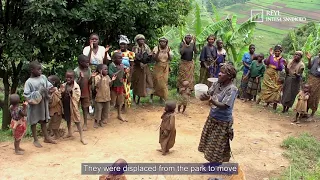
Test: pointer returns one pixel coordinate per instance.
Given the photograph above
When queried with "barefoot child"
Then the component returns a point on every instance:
(184, 96)
(55, 107)
(102, 88)
(254, 75)
(167, 128)
(301, 107)
(117, 88)
(36, 92)
(83, 78)
(71, 96)
(118, 173)
(18, 123)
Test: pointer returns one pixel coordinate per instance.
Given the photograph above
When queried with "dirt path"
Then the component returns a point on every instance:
(258, 135)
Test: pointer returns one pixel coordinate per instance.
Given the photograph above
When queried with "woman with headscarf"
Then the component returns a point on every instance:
(272, 83)
(141, 76)
(188, 51)
(208, 58)
(314, 82)
(127, 61)
(97, 54)
(217, 131)
(291, 86)
(162, 55)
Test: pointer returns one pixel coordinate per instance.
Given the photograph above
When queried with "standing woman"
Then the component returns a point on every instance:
(246, 61)
(127, 61)
(314, 82)
(162, 54)
(97, 54)
(208, 54)
(186, 67)
(291, 86)
(272, 84)
(141, 76)
(217, 131)
(221, 58)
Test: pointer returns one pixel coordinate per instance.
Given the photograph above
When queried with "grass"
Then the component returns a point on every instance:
(304, 155)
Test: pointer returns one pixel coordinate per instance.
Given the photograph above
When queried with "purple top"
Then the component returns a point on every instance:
(275, 64)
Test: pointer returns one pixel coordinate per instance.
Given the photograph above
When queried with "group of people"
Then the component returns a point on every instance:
(105, 81)
(279, 81)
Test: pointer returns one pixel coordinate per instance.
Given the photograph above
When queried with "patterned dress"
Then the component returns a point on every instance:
(18, 122)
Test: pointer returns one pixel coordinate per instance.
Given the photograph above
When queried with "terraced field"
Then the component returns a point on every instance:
(270, 33)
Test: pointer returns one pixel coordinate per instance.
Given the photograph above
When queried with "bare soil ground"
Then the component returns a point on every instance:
(256, 146)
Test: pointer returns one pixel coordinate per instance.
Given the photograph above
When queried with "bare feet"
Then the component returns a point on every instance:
(121, 119)
(84, 128)
(83, 142)
(69, 136)
(37, 144)
(101, 123)
(95, 125)
(50, 141)
(104, 122)
(19, 152)
(160, 150)
(20, 149)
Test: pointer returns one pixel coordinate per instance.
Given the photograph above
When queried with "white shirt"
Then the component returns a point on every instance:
(98, 57)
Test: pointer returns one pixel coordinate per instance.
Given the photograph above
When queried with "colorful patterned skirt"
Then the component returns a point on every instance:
(186, 73)
(313, 101)
(21, 128)
(271, 87)
(215, 140)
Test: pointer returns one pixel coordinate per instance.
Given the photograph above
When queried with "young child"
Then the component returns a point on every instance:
(83, 78)
(254, 75)
(167, 128)
(301, 107)
(18, 122)
(184, 96)
(116, 175)
(117, 88)
(55, 107)
(70, 98)
(102, 88)
(36, 92)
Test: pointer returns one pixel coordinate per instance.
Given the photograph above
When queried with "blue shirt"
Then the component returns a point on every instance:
(247, 59)
(226, 95)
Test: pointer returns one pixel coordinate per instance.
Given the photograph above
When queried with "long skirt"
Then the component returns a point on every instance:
(160, 79)
(314, 98)
(253, 87)
(141, 81)
(271, 88)
(204, 75)
(243, 87)
(21, 128)
(291, 88)
(186, 73)
(215, 140)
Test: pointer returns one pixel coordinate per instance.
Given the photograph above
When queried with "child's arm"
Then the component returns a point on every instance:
(55, 99)
(23, 111)
(181, 48)
(97, 81)
(172, 122)
(32, 97)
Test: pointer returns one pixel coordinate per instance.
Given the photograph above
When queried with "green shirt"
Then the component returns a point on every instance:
(112, 70)
(257, 69)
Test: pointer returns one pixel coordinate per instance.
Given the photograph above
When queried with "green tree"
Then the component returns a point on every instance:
(54, 32)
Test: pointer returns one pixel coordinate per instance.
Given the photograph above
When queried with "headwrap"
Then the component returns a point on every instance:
(163, 39)
(230, 70)
(123, 39)
(139, 36)
(300, 53)
(278, 47)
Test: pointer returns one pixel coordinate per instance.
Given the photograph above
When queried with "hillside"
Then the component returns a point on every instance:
(269, 33)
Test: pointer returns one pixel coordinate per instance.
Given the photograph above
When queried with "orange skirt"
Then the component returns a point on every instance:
(21, 128)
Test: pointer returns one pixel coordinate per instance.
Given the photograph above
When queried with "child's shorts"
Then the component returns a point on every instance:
(117, 99)
(101, 111)
(55, 121)
(85, 102)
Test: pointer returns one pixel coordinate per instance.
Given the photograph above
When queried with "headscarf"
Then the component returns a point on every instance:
(139, 36)
(230, 70)
(124, 39)
(300, 53)
(163, 39)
